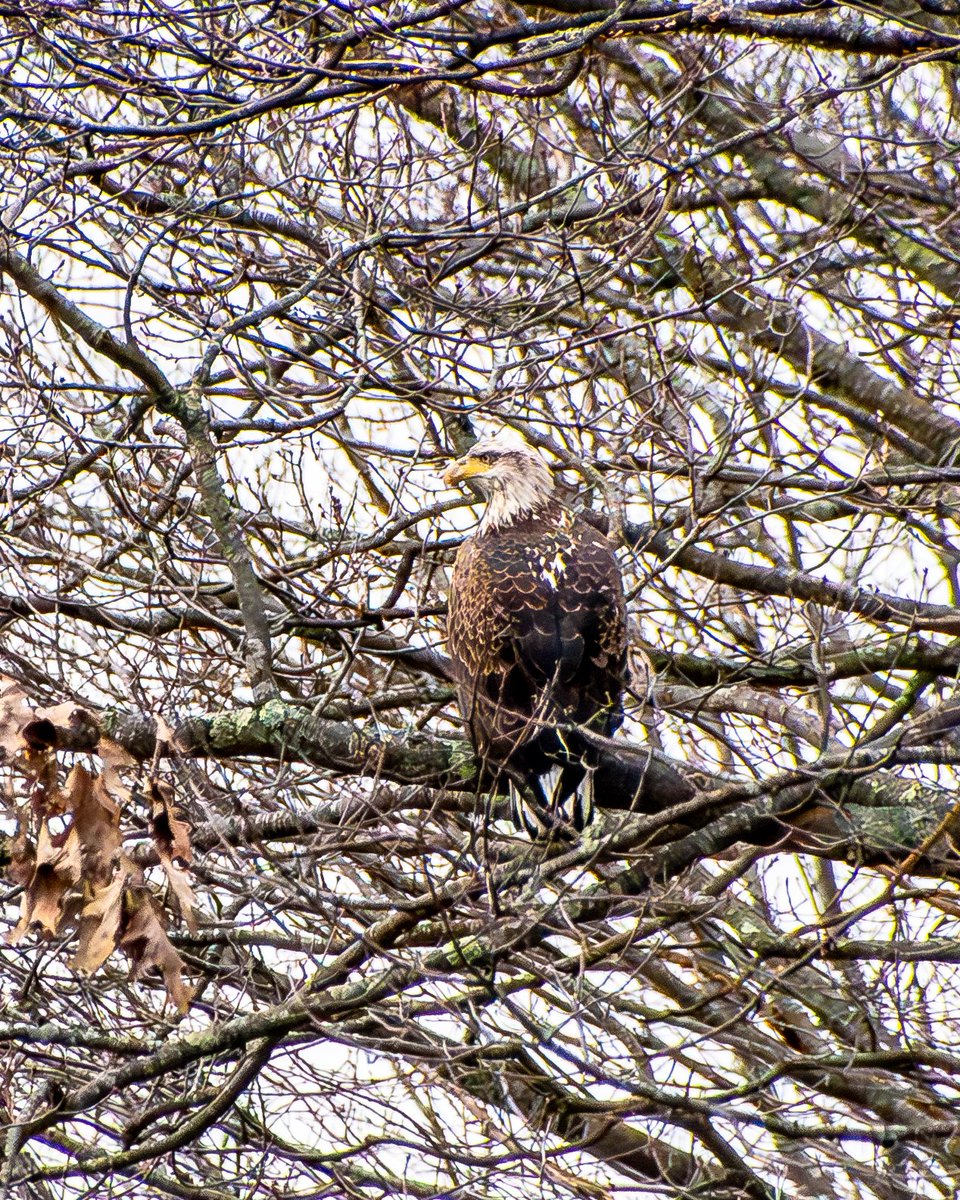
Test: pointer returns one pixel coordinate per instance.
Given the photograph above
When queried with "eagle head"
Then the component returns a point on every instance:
(514, 480)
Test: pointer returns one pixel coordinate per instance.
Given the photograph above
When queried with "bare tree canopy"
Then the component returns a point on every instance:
(265, 269)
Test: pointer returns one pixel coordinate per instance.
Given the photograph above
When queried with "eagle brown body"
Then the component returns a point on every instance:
(536, 631)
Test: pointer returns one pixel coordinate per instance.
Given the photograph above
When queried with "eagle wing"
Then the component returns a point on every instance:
(536, 630)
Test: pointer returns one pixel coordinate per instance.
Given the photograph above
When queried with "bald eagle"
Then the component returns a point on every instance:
(536, 632)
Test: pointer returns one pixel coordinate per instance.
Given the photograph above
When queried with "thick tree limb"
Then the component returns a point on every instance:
(797, 668)
(846, 806)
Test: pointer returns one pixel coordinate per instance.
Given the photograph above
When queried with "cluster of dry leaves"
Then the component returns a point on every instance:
(68, 853)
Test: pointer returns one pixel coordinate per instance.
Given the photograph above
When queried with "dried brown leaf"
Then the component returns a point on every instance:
(113, 784)
(164, 733)
(112, 754)
(100, 924)
(56, 873)
(46, 798)
(170, 834)
(182, 890)
(14, 715)
(171, 837)
(23, 853)
(97, 822)
(63, 725)
(112, 758)
(145, 940)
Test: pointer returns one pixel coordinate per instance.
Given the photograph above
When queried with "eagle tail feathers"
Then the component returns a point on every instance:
(527, 814)
(554, 801)
(582, 801)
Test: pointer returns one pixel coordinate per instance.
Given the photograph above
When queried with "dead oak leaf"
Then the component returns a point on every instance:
(113, 757)
(14, 715)
(96, 818)
(171, 834)
(56, 873)
(65, 726)
(23, 855)
(182, 891)
(145, 941)
(112, 754)
(171, 837)
(100, 924)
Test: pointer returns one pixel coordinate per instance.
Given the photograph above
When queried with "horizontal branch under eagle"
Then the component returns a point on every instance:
(847, 807)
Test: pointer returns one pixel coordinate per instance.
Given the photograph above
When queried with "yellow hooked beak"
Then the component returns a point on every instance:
(464, 468)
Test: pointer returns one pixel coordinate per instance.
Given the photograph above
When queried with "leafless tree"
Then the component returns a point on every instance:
(265, 267)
